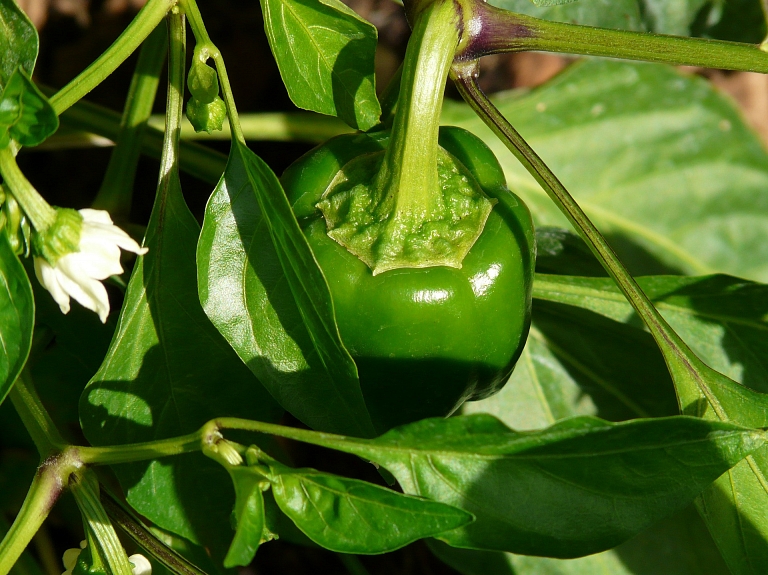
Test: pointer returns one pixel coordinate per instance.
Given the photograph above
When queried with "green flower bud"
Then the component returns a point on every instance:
(206, 117)
(203, 83)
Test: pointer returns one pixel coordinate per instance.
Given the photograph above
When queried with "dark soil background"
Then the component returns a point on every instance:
(74, 32)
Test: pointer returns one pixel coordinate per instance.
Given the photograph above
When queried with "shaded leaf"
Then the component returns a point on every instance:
(76, 345)
(561, 252)
(577, 362)
(325, 51)
(735, 20)
(18, 41)
(353, 516)
(723, 320)
(578, 487)
(661, 162)
(166, 373)
(674, 17)
(580, 363)
(262, 289)
(25, 113)
(17, 316)
(679, 545)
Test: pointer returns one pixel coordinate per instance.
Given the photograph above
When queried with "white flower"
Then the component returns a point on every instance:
(140, 565)
(70, 558)
(80, 269)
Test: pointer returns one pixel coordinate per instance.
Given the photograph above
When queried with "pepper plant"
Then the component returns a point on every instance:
(375, 300)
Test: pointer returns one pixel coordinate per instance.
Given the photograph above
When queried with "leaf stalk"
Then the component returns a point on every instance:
(116, 192)
(99, 530)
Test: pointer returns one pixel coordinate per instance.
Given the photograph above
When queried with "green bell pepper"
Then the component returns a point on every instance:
(428, 256)
(425, 339)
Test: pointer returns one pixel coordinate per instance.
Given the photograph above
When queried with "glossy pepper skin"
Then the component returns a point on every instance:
(425, 339)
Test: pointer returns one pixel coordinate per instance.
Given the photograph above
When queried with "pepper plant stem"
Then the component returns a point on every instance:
(140, 451)
(39, 212)
(140, 27)
(116, 192)
(503, 31)
(35, 418)
(25, 564)
(45, 489)
(681, 361)
(202, 38)
(99, 530)
(169, 161)
(122, 517)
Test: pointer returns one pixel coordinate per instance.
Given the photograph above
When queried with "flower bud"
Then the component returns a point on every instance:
(206, 117)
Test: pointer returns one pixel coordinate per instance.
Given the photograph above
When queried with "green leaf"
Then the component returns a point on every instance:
(352, 516)
(18, 41)
(261, 287)
(660, 161)
(25, 113)
(251, 529)
(619, 14)
(679, 545)
(325, 51)
(17, 316)
(166, 373)
(674, 17)
(578, 487)
(723, 320)
(76, 344)
(577, 362)
(735, 20)
(561, 252)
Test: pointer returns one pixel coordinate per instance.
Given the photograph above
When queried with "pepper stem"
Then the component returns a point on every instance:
(409, 171)
(40, 213)
(412, 205)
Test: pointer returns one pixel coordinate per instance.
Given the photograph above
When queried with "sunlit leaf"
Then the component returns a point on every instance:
(578, 487)
(352, 516)
(17, 316)
(261, 287)
(325, 51)
(166, 373)
(18, 41)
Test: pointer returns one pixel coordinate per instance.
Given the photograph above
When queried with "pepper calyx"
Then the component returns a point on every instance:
(412, 205)
(359, 217)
